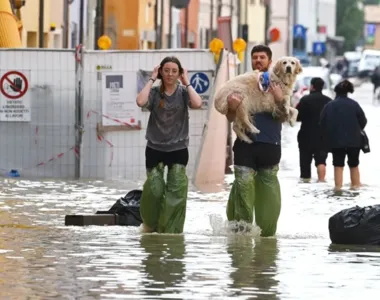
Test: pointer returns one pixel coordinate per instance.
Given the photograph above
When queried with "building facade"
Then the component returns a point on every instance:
(320, 19)
(279, 18)
(130, 24)
(53, 15)
(372, 26)
(319, 24)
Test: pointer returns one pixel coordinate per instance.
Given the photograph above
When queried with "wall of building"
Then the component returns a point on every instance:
(372, 16)
(121, 19)
(253, 14)
(30, 19)
(318, 11)
(43, 146)
(193, 23)
(56, 17)
(280, 20)
(207, 11)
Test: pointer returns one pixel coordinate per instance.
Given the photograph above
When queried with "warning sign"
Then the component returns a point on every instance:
(14, 98)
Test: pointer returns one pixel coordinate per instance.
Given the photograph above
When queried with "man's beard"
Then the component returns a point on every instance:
(260, 68)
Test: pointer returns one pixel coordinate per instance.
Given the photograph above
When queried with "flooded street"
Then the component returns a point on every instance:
(40, 258)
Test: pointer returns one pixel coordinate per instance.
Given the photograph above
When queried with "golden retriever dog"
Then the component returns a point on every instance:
(256, 98)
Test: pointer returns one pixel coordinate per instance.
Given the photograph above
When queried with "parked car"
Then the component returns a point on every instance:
(302, 85)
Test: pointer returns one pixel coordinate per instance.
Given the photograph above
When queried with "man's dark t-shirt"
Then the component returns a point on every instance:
(265, 151)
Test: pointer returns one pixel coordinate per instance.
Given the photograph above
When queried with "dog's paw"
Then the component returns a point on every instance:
(253, 129)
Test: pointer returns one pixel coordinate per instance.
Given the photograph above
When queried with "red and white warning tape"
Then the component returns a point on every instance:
(58, 156)
(113, 119)
(75, 149)
(102, 138)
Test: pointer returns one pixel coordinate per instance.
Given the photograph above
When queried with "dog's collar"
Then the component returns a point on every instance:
(264, 81)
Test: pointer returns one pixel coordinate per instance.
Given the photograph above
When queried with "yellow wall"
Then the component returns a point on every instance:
(53, 12)
(254, 16)
(128, 19)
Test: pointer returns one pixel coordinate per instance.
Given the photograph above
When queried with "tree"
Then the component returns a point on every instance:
(371, 2)
(349, 23)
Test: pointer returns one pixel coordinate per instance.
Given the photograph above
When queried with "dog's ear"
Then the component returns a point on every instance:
(277, 67)
(298, 67)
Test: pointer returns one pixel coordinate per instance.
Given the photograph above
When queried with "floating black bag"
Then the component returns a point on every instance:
(356, 226)
(127, 208)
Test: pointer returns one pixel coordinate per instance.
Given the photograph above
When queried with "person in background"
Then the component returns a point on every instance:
(163, 207)
(342, 123)
(256, 188)
(309, 136)
(375, 79)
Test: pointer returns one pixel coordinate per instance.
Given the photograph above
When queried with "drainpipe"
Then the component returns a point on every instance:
(81, 22)
(41, 24)
(156, 24)
(210, 33)
(170, 24)
(186, 26)
(99, 22)
(267, 20)
(65, 42)
(291, 5)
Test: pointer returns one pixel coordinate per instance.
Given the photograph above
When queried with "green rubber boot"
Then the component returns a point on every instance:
(268, 201)
(152, 197)
(241, 201)
(173, 208)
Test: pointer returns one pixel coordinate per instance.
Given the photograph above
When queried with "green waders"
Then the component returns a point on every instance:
(257, 192)
(163, 207)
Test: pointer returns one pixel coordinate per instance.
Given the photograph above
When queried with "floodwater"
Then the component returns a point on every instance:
(42, 259)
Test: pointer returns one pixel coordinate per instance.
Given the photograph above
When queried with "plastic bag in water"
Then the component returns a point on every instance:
(127, 208)
(356, 226)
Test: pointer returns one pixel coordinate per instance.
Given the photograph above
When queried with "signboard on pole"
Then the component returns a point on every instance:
(14, 96)
(370, 32)
(319, 48)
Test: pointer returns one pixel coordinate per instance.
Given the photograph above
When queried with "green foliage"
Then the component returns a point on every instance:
(371, 2)
(349, 22)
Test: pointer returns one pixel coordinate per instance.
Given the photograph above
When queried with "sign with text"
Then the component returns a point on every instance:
(117, 101)
(14, 96)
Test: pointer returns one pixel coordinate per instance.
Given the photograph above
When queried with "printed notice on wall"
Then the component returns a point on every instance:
(118, 101)
(14, 96)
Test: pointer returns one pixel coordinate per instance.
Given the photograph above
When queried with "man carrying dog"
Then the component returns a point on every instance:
(309, 135)
(256, 187)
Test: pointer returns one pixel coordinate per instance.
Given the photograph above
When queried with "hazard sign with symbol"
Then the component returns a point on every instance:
(14, 97)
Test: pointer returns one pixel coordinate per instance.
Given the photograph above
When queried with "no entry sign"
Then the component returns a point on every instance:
(14, 85)
(14, 96)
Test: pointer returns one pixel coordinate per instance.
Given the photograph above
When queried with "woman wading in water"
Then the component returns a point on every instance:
(163, 206)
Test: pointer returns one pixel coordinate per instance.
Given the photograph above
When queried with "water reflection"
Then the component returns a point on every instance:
(255, 266)
(163, 266)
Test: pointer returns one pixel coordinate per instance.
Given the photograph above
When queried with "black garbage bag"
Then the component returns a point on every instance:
(127, 209)
(356, 226)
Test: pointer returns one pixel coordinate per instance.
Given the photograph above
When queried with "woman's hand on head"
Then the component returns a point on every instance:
(184, 78)
(155, 72)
